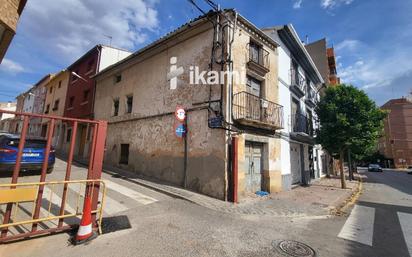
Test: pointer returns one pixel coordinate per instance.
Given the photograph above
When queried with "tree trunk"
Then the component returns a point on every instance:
(350, 167)
(342, 173)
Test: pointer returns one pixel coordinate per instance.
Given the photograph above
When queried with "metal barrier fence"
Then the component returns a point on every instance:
(24, 197)
(97, 137)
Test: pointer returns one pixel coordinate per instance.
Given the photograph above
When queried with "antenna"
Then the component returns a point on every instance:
(110, 39)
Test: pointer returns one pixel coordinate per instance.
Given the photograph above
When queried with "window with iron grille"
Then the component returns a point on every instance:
(115, 107)
(129, 104)
(124, 154)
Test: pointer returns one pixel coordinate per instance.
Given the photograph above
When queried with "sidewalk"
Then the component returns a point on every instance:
(323, 196)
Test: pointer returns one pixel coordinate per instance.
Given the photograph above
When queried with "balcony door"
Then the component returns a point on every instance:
(253, 87)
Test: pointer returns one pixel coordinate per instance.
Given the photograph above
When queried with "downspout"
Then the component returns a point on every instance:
(95, 82)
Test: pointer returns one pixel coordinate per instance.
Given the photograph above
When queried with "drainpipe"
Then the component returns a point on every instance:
(234, 169)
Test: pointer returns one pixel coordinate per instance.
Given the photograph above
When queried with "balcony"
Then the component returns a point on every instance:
(258, 59)
(310, 99)
(301, 125)
(298, 83)
(254, 111)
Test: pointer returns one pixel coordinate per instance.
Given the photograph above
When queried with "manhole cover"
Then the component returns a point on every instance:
(294, 248)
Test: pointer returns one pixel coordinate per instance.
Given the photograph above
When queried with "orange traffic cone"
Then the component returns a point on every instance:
(85, 232)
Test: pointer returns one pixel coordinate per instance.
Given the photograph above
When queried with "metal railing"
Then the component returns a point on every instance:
(301, 124)
(258, 55)
(298, 80)
(249, 107)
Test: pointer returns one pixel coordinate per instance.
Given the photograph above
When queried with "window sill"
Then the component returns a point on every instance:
(89, 72)
(70, 108)
(84, 103)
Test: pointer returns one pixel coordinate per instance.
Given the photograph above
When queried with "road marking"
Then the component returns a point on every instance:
(405, 219)
(111, 206)
(359, 226)
(139, 197)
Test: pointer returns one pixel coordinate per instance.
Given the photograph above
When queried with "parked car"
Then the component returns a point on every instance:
(374, 167)
(33, 153)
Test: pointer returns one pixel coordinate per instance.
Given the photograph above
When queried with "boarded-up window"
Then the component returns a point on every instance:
(124, 154)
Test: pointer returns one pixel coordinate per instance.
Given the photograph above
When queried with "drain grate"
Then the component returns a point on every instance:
(116, 223)
(293, 248)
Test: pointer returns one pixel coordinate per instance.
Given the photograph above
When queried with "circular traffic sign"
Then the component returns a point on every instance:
(180, 113)
(180, 130)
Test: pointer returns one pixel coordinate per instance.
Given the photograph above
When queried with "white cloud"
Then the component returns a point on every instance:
(348, 44)
(68, 28)
(297, 4)
(331, 4)
(10, 66)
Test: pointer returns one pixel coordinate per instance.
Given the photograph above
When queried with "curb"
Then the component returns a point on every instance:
(350, 201)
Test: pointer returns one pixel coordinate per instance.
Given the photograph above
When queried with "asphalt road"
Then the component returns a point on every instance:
(379, 225)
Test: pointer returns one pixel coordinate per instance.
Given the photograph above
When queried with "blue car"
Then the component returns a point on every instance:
(33, 153)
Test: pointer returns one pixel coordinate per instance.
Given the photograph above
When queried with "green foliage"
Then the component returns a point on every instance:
(348, 118)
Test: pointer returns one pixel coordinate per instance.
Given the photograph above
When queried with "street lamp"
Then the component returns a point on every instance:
(77, 75)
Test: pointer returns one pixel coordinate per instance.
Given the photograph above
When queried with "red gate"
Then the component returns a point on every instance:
(96, 136)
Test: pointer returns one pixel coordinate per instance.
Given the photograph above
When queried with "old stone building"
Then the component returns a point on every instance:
(139, 95)
(10, 11)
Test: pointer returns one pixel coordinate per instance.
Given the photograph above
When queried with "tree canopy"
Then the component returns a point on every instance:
(348, 119)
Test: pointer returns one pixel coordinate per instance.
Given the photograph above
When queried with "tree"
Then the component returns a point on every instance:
(348, 120)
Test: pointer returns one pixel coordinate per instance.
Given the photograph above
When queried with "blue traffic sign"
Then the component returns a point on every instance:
(180, 130)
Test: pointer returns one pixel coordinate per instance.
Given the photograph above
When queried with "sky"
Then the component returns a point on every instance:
(372, 38)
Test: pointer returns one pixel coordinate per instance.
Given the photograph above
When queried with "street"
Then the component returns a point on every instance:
(142, 222)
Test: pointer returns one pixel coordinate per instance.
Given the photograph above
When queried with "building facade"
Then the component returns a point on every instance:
(396, 144)
(138, 96)
(80, 92)
(54, 103)
(6, 120)
(299, 85)
(37, 96)
(325, 60)
(10, 12)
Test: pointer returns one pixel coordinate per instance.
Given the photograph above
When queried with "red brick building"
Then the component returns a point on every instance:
(81, 89)
(396, 144)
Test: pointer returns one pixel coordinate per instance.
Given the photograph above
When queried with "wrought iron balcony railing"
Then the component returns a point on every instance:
(252, 110)
(298, 82)
(301, 124)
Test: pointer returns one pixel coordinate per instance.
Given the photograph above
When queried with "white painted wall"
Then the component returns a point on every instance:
(7, 107)
(110, 56)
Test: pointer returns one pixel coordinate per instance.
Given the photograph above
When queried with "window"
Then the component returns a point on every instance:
(253, 86)
(117, 78)
(90, 65)
(255, 52)
(60, 84)
(71, 101)
(124, 154)
(56, 105)
(47, 109)
(69, 135)
(115, 107)
(51, 90)
(129, 104)
(86, 95)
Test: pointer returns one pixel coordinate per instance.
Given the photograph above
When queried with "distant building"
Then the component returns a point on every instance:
(56, 90)
(38, 94)
(6, 119)
(10, 11)
(396, 144)
(80, 93)
(325, 60)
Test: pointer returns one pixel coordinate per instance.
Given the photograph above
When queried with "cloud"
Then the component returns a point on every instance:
(331, 4)
(68, 28)
(297, 4)
(10, 66)
(348, 44)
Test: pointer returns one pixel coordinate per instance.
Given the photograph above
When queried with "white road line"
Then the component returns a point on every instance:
(111, 206)
(56, 200)
(139, 197)
(359, 226)
(405, 219)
